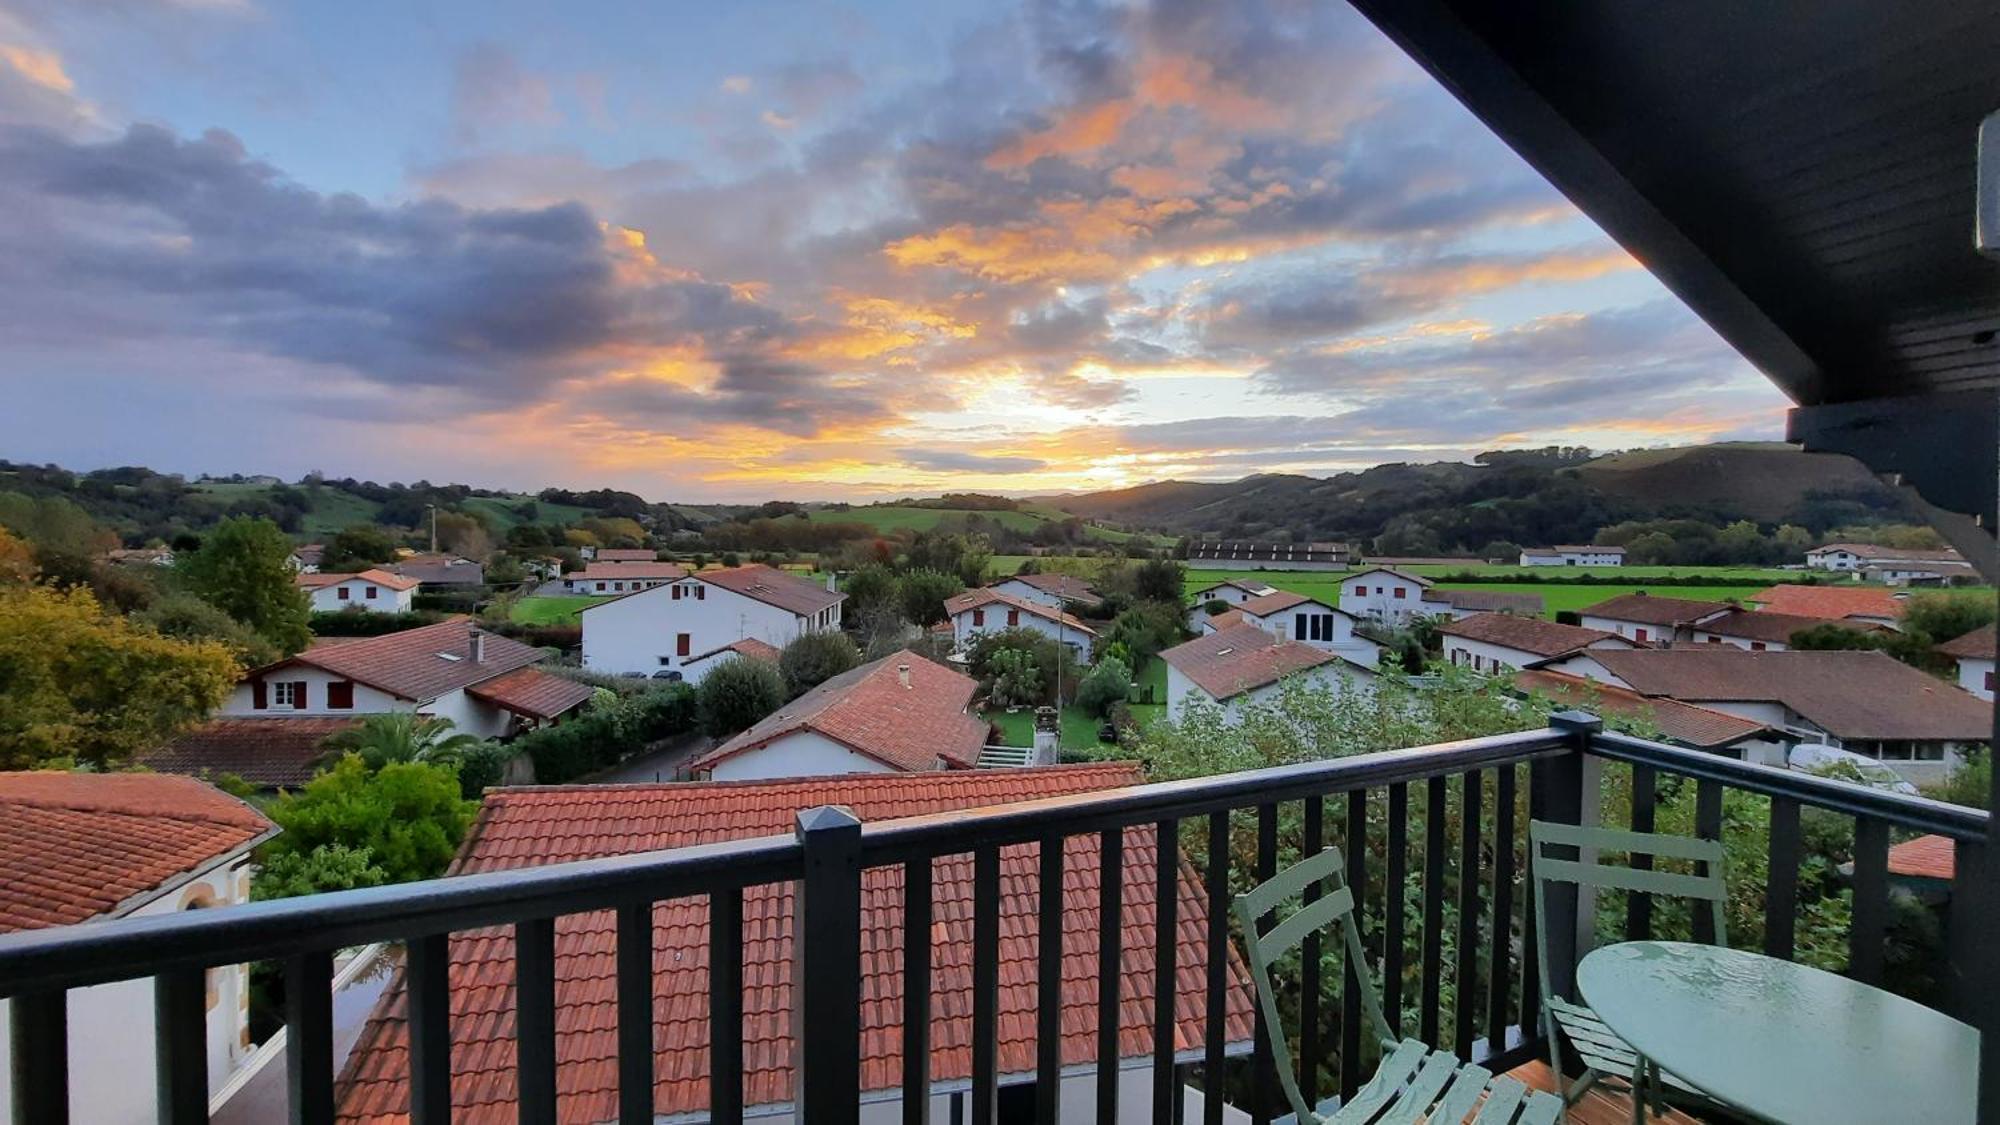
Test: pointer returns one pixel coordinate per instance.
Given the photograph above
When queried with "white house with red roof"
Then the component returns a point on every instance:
(1057, 591)
(682, 624)
(899, 714)
(486, 684)
(612, 577)
(530, 827)
(1242, 665)
(1973, 653)
(1290, 616)
(78, 847)
(376, 591)
(987, 610)
(1383, 594)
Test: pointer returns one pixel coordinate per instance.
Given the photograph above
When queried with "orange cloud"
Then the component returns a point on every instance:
(43, 68)
(1079, 130)
(1014, 255)
(1183, 80)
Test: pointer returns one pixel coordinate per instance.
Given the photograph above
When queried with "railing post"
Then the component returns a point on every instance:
(826, 968)
(1564, 792)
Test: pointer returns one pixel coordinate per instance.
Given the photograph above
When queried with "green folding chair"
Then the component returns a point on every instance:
(1413, 1083)
(1602, 1052)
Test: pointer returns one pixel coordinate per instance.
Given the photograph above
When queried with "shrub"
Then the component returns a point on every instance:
(608, 733)
(1214, 607)
(360, 623)
(327, 867)
(1145, 629)
(1054, 663)
(1017, 678)
(408, 816)
(482, 767)
(1103, 686)
(737, 693)
(923, 593)
(814, 658)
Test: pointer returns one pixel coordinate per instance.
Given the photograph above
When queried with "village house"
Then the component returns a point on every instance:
(602, 577)
(1682, 724)
(85, 847)
(1573, 555)
(899, 714)
(1383, 594)
(1460, 604)
(305, 557)
(680, 625)
(1496, 643)
(485, 684)
(986, 610)
(1862, 556)
(530, 827)
(440, 570)
(1057, 591)
(1248, 554)
(1758, 630)
(626, 555)
(376, 591)
(749, 648)
(1870, 605)
(1648, 618)
(1234, 591)
(140, 556)
(1973, 653)
(1862, 702)
(1289, 616)
(1243, 665)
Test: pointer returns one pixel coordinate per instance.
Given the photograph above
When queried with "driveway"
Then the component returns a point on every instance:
(665, 762)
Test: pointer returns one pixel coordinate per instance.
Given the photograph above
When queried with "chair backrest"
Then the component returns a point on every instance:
(1706, 885)
(1335, 905)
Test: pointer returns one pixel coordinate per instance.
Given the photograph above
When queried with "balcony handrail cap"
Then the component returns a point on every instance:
(1576, 722)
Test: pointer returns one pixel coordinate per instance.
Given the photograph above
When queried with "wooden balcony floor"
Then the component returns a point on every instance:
(1599, 1106)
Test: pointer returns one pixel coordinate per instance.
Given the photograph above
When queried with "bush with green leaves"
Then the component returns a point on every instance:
(737, 693)
(1146, 630)
(923, 593)
(1103, 686)
(186, 617)
(868, 586)
(359, 622)
(1054, 663)
(1017, 678)
(607, 732)
(409, 816)
(327, 867)
(402, 736)
(1160, 580)
(244, 569)
(814, 658)
(481, 767)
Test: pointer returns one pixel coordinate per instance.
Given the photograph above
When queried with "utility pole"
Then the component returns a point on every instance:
(434, 527)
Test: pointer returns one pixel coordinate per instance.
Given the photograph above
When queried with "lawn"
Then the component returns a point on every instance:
(1016, 729)
(1325, 585)
(551, 610)
(1558, 598)
(1152, 674)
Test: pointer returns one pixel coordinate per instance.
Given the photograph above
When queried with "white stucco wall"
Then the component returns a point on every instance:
(327, 599)
(367, 700)
(1833, 560)
(1373, 593)
(998, 617)
(1339, 676)
(1573, 558)
(471, 716)
(111, 1025)
(799, 754)
(1485, 656)
(1014, 587)
(1976, 676)
(1649, 634)
(1703, 637)
(639, 633)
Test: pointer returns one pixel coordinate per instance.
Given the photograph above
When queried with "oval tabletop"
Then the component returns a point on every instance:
(1780, 1040)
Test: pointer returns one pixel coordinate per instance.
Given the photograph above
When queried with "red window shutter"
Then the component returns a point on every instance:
(979, 617)
(1399, 591)
(701, 593)
(1361, 591)
(340, 695)
(372, 591)
(1013, 617)
(1638, 634)
(340, 593)
(299, 694)
(682, 644)
(677, 593)
(259, 695)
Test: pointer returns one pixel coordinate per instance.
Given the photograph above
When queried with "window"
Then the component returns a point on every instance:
(340, 695)
(682, 644)
(1401, 592)
(600, 587)
(1299, 626)
(1989, 681)
(1013, 618)
(289, 693)
(1361, 591)
(615, 586)
(1713, 639)
(340, 593)
(978, 618)
(666, 661)
(372, 591)
(1756, 646)
(677, 593)
(701, 593)
(1638, 634)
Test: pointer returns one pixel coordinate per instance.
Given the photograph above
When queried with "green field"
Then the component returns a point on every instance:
(1558, 598)
(551, 610)
(1325, 585)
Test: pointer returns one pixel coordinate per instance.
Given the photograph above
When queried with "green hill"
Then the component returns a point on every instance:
(1764, 481)
(891, 518)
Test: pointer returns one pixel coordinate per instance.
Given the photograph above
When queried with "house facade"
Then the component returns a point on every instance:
(1573, 555)
(375, 591)
(1383, 594)
(1758, 630)
(485, 684)
(1457, 605)
(1501, 644)
(679, 625)
(1649, 619)
(1056, 591)
(84, 847)
(1243, 665)
(1909, 561)
(1309, 621)
(1973, 655)
(603, 578)
(987, 610)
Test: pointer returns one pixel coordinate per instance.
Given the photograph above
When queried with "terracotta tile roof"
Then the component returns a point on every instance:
(1527, 634)
(526, 827)
(980, 597)
(419, 664)
(601, 571)
(748, 646)
(1830, 603)
(270, 753)
(1895, 554)
(1067, 586)
(1857, 695)
(1926, 857)
(533, 693)
(1252, 588)
(1243, 658)
(1976, 645)
(1685, 723)
(1228, 619)
(871, 711)
(441, 570)
(379, 577)
(1649, 609)
(626, 554)
(1278, 601)
(1771, 628)
(1487, 601)
(78, 845)
(774, 587)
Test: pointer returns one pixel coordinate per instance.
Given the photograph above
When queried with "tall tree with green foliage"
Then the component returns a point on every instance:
(357, 548)
(244, 569)
(403, 736)
(814, 658)
(184, 617)
(408, 816)
(737, 693)
(1160, 580)
(923, 593)
(80, 684)
(1109, 683)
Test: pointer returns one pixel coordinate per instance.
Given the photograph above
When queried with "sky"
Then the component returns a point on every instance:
(714, 252)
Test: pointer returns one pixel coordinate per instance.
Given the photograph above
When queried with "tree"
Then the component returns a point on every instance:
(357, 548)
(1160, 580)
(814, 658)
(185, 617)
(408, 816)
(328, 867)
(1791, 541)
(461, 533)
(1053, 663)
(868, 586)
(1017, 678)
(79, 683)
(737, 693)
(17, 559)
(243, 568)
(403, 736)
(1945, 617)
(1146, 629)
(923, 593)
(1107, 684)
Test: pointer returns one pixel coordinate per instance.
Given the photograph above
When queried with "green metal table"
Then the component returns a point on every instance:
(1782, 1041)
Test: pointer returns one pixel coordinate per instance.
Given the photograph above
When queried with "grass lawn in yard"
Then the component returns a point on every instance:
(1558, 598)
(552, 610)
(1016, 729)
(1152, 674)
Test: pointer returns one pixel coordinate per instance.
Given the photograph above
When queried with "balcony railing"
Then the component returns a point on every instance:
(1477, 997)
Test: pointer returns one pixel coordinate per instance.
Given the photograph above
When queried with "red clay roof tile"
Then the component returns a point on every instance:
(870, 710)
(1240, 658)
(1830, 603)
(532, 692)
(270, 753)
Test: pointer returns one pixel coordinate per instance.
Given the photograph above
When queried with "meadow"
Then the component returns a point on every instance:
(558, 609)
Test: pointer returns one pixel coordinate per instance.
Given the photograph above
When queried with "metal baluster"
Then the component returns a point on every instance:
(1110, 917)
(635, 1007)
(725, 1007)
(1394, 890)
(1639, 904)
(180, 1046)
(1352, 1043)
(535, 1019)
(1048, 983)
(38, 1031)
(1263, 1074)
(985, 985)
(1433, 933)
(308, 1038)
(1166, 942)
(1466, 1009)
(1215, 1033)
(429, 988)
(1311, 1051)
(1781, 886)
(1499, 970)
(1871, 901)
(1708, 826)
(826, 983)
(917, 992)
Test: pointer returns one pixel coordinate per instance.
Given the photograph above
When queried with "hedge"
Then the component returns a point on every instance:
(541, 636)
(603, 736)
(360, 623)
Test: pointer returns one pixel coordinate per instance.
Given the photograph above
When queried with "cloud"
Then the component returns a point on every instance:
(948, 461)
(491, 90)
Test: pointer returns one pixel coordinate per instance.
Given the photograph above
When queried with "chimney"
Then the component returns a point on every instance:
(903, 674)
(478, 646)
(831, 586)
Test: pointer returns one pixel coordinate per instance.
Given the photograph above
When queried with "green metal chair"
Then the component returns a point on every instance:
(1600, 1049)
(1413, 1083)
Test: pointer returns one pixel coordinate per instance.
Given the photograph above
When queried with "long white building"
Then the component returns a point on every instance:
(674, 626)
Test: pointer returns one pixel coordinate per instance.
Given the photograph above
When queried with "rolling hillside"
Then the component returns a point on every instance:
(889, 518)
(1762, 480)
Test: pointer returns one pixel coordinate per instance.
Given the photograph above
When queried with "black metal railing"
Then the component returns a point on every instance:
(1450, 907)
